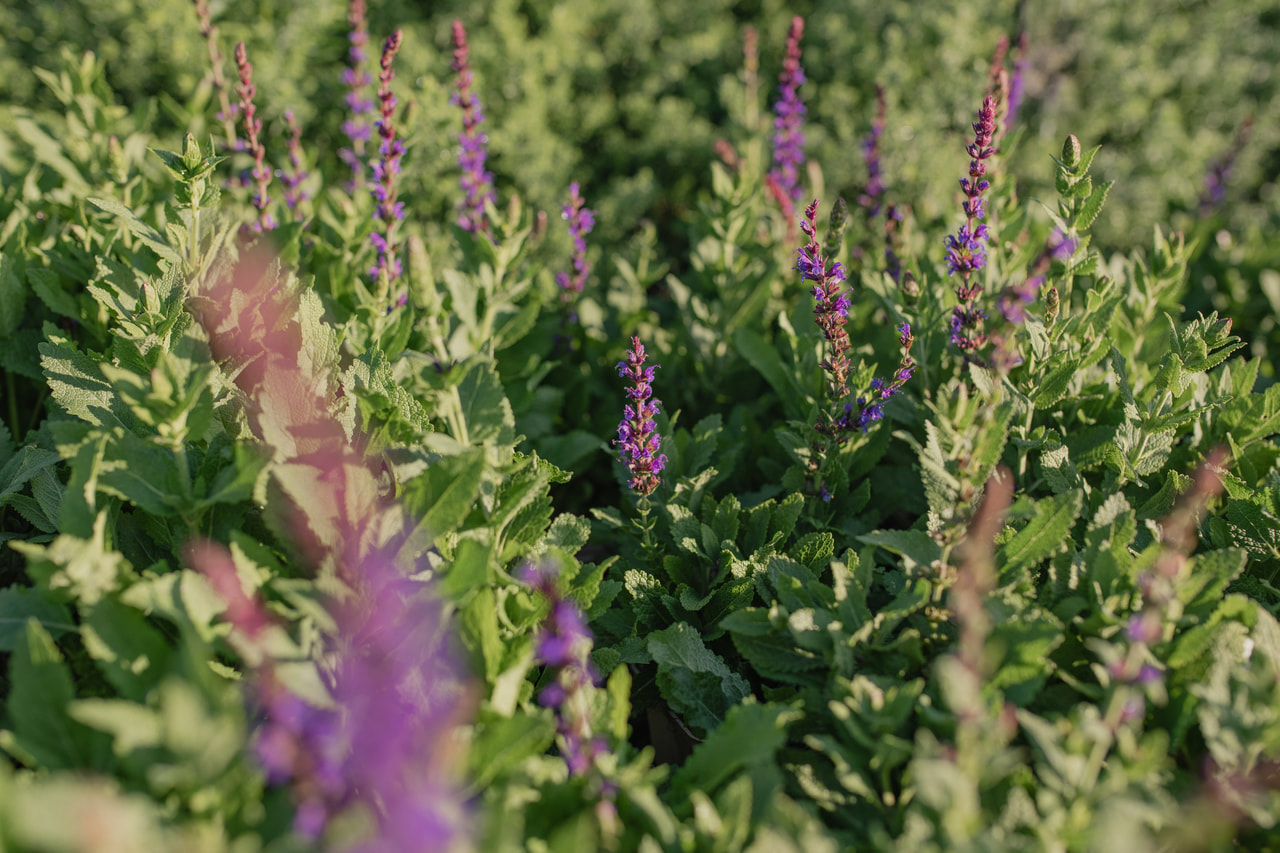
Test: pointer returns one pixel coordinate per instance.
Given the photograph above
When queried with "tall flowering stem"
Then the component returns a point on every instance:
(831, 310)
(788, 138)
(357, 80)
(476, 181)
(581, 220)
(869, 407)
(638, 440)
(564, 646)
(967, 248)
(226, 110)
(252, 128)
(386, 170)
(872, 198)
(293, 176)
(1017, 81)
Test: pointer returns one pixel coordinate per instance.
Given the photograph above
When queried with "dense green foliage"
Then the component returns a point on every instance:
(1032, 608)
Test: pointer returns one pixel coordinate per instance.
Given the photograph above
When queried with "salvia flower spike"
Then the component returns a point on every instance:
(581, 220)
(226, 110)
(967, 248)
(253, 144)
(293, 176)
(476, 181)
(386, 170)
(789, 112)
(638, 440)
(357, 80)
(564, 645)
(831, 309)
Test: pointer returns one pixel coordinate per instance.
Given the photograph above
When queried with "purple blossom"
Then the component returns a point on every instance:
(564, 644)
(385, 170)
(475, 181)
(967, 248)
(872, 198)
(261, 172)
(1016, 81)
(581, 220)
(638, 439)
(293, 177)
(356, 79)
(1215, 179)
(789, 112)
(869, 407)
(831, 310)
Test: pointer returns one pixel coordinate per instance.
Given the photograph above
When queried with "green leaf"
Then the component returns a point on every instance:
(19, 605)
(144, 232)
(77, 384)
(1043, 536)
(749, 737)
(13, 296)
(916, 546)
(130, 652)
(131, 726)
(694, 680)
(443, 495)
(764, 357)
(39, 693)
(1092, 207)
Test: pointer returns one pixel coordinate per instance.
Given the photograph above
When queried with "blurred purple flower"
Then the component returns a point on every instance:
(386, 169)
(564, 644)
(293, 177)
(253, 145)
(789, 111)
(581, 220)
(356, 79)
(476, 182)
(1215, 179)
(638, 439)
(872, 198)
(1016, 81)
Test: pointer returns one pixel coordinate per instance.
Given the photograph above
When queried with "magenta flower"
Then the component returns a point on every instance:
(638, 440)
(789, 111)
(476, 181)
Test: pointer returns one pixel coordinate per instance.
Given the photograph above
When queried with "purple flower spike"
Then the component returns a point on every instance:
(357, 80)
(564, 644)
(789, 111)
(476, 182)
(387, 169)
(872, 199)
(638, 439)
(293, 177)
(253, 145)
(832, 303)
(967, 248)
(581, 220)
(1016, 81)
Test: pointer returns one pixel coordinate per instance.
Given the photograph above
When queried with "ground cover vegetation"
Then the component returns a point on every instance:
(639, 426)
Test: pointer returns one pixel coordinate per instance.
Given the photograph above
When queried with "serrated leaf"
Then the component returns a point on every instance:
(1044, 535)
(916, 546)
(694, 680)
(1060, 371)
(1093, 206)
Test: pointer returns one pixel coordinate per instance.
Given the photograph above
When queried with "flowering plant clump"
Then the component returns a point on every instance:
(888, 569)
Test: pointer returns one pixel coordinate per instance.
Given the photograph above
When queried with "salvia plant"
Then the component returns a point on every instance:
(776, 501)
